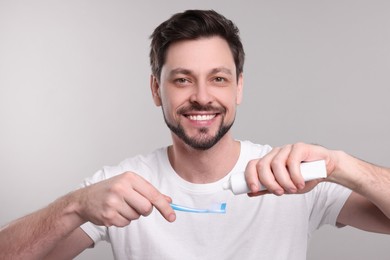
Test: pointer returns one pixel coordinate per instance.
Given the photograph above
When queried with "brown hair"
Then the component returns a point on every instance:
(190, 25)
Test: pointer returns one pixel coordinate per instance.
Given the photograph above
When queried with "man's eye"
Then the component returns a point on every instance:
(219, 79)
(181, 80)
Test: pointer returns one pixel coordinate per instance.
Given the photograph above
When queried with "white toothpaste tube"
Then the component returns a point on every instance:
(309, 170)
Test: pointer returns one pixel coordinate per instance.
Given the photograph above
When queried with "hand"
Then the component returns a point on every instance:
(119, 200)
(279, 170)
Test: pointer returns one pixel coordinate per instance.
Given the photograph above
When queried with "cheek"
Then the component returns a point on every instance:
(167, 108)
(170, 107)
(173, 100)
(230, 99)
(230, 104)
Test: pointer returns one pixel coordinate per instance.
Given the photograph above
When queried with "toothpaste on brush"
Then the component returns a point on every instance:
(309, 170)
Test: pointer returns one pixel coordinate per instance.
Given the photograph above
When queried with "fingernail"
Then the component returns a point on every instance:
(279, 192)
(254, 188)
(172, 217)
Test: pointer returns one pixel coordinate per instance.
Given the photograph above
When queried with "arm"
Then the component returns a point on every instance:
(55, 229)
(35, 235)
(71, 246)
(367, 207)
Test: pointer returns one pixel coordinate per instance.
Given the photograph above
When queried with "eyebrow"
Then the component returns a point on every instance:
(180, 71)
(189, 72)
(221, 69)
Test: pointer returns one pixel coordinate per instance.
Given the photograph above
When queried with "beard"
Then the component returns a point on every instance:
(202, 141)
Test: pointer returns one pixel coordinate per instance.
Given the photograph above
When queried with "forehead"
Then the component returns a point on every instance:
(199, 55)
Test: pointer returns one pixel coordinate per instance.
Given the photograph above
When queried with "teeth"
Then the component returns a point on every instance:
(201, 117)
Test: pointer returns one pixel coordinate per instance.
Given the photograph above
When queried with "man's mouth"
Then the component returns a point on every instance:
(201, 117)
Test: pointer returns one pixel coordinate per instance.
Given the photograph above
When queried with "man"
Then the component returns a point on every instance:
(197, 63)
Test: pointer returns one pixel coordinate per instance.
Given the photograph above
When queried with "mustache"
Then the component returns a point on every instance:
(198, 107)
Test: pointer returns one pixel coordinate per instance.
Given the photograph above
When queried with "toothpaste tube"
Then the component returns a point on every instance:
(309, 170)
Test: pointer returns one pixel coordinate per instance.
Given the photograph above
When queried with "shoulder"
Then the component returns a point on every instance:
(254, 150)
(142, 164)
(141, 161)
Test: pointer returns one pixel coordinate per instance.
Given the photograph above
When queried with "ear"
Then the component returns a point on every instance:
(240, 86)
(155, 88)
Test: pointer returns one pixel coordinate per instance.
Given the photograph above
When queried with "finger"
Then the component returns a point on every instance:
(309, 186)
(122, 221)
(281, 171)
(294, 161)
(265, 174)
(301, 152)
(308, 152)
(129, 213)
(169, 199)
(251, 176)
(137, 203)
(156, 198)
(112, 217)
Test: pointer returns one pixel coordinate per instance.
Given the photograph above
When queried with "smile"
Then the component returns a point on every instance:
(201, 117)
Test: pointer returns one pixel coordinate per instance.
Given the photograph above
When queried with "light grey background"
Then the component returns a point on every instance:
(74, 92)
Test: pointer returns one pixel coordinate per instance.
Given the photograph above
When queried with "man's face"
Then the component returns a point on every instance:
(199, 91)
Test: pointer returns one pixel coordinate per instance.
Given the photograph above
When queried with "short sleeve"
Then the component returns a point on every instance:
(327, 201)
(96, 233)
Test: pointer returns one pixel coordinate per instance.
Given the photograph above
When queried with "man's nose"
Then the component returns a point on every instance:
(201, 94)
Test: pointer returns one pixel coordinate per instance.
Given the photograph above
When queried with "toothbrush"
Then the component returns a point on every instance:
(220, 208)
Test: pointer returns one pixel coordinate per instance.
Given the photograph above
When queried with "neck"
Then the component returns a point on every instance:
(204, 166)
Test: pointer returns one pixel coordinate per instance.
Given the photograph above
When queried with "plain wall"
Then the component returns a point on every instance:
(75, 96)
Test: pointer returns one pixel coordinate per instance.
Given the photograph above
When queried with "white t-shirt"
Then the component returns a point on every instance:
(265, 227)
